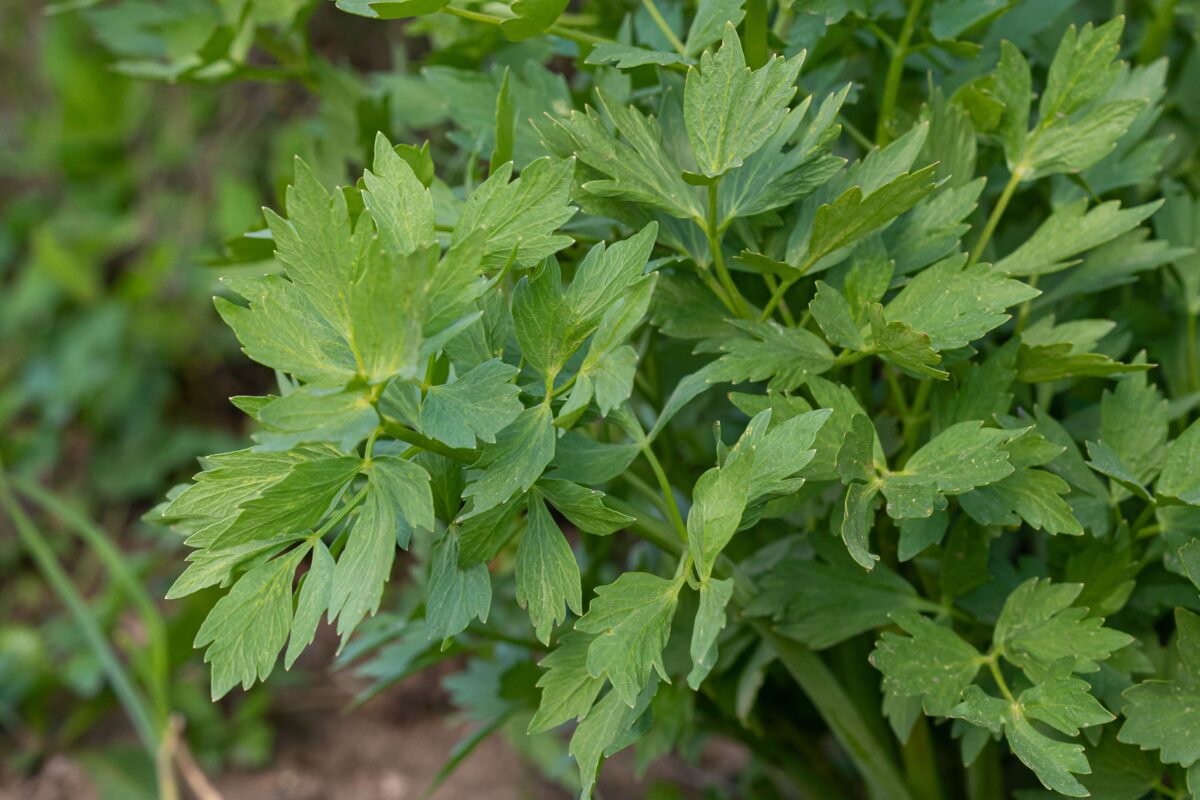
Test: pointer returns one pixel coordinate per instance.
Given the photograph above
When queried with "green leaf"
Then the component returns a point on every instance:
(625, 56)
(962, 457)
(822, 603)
(1106, 461)
(932, 662)
(832, 312)
(521, 215)
(398, 500)
(309, 414)
(547, 575)
(568, 689)
(284, 330)
(631, 618)
(1072, 229)
(710, 22)
(956, 304)
(247, 627)
(859, 514)
(516, 460)
(636, 166)
(505, 122)
(481, 403)
(1162, 715)
(1141, 447)
(1038, 626)
(710, 620)
(605, 731)
(1065, 704)
(852, 216)
(230, 479)
(583, 507)
(731, 111)
(456, 595)
(1032, 495)
(398, 202)
(532, 18)
(785, 357)
(906, 349)
(314, 597)
(293, 505)
(1180, 480)
(1055, 763)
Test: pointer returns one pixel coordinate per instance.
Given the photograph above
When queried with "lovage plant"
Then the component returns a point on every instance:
(734, 420)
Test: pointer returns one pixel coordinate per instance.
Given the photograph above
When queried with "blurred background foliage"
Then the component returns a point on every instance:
(138, 141)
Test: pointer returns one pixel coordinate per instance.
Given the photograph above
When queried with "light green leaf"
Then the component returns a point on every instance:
(832, 312)
(517, 459)
(1180, 479)
(247, 627)
(568, 689)
(310, 414)
(605, 731)
(284, 330)
(631, 618)
(710, 620)
(1065, 704)
(456, 595)
(710, 22)
(398, 202)
(313, 601)
(583, 507)
(785, 357)
(962, 457)
(398, 499)
(636, 166)
(956, 304)
(626, 56)
(547, 575)
(532, 18)
(1032, 495)
(1069, 230)
(731, 111)
(293, 505)
(523, 214)
(482, 402)
(1164, 715)
(852, 216)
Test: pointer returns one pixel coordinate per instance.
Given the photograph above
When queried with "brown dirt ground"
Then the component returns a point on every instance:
(390, 749)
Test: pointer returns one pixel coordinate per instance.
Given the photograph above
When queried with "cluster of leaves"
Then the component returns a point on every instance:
(948, 456)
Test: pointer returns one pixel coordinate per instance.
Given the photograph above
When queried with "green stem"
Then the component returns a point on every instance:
(891, 84)
(784, 311)
(43, 555)
(776, 298)
(404, 434)
(712, 232)
(661, 22)
(754, 38)
(993, 219)
(993, 662)
(668, 494)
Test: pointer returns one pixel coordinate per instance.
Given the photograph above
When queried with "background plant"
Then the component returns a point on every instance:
(961, 338)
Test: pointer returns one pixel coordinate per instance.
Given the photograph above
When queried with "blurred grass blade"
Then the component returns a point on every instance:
(40, 551)
(94, 537)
